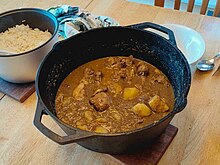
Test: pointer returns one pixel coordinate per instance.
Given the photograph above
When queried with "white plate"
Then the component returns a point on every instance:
(189, 41)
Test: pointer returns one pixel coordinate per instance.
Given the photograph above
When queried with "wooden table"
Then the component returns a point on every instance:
(198, 139)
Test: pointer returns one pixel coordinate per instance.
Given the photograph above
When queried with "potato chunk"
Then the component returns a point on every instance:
(100, 129)
(130, 93)
(158, 105)
(82, 127)
(141, 110)
(116, 116)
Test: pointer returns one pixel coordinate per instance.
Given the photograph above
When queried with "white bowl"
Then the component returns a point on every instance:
(189, 41)
(22, 67)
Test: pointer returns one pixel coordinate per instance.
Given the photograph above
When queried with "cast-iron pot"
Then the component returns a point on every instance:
(112, 41)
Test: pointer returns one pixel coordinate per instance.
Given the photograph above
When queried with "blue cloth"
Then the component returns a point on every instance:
(73, 20)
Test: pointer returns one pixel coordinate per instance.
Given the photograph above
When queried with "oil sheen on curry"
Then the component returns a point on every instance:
(114, 94)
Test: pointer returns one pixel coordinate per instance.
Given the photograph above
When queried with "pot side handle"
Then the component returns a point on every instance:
(181, 105)
(78, 136)
(154, 26)
(183, 99)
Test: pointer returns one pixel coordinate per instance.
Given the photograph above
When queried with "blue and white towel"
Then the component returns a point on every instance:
(73, 20)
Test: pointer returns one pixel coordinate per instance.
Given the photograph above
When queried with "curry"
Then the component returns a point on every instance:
(114, 94)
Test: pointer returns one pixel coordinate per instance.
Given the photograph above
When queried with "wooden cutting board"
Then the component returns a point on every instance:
(151, 154)
(19, 92)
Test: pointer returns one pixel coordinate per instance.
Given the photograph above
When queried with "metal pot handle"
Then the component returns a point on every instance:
(163, 29)
(78, 136)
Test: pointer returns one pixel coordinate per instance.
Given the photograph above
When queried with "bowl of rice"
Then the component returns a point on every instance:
(26, 36)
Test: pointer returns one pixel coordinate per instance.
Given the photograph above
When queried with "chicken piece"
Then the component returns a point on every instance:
(89, 75)
(141, 110)
(79, 92)
(130, 93)
(88, 72)
(142, 69)
(88, 115)
(158, 105)
(116, 76)
(130, 75)
(100, 101)
(126, 61)
(98, 76)
(123, 63)
(129, 60)
(123, 73)
(112, 61)
(120, 74)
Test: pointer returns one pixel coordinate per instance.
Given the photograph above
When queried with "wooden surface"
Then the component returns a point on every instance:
(217, 9)
(197, 141)
(1, 95)
(150, 155)
(177, 4)
(190, 5)
(204, 6)
(9, 5)
(19, 92)
(159, 3)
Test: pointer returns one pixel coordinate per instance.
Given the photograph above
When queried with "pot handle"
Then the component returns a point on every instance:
(181, 106)
(160, 28)
(77, 136)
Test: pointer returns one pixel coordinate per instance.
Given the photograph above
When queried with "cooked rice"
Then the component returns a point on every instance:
(22, 38)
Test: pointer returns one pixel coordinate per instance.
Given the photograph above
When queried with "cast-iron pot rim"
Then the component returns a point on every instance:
(41, 11)
(93, 134)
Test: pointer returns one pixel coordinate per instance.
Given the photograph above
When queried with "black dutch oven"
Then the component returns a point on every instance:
(133, 40)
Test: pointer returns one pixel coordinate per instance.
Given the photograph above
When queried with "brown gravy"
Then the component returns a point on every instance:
(114, 94)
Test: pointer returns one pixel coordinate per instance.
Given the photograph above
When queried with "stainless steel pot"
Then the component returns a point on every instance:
(22, 68)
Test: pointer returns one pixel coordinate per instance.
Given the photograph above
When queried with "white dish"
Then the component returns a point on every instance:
(189, 41)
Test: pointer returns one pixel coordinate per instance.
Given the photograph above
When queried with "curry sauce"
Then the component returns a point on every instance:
(114, 94)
